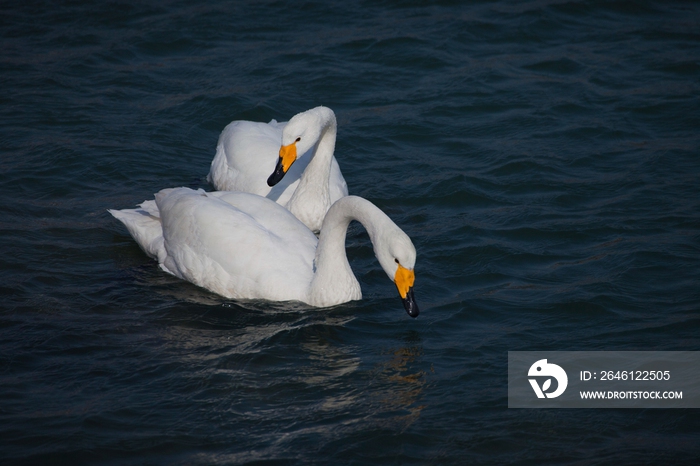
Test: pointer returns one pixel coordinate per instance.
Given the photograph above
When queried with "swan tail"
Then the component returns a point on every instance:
(145, 227)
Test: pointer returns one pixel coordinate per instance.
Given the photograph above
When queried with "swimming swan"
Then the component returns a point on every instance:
(244, 246)
(248, 151)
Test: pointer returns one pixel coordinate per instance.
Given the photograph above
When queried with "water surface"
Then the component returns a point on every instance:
(543, 156)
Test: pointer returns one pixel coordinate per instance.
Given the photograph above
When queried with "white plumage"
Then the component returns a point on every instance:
(244, 246)
(247, 153)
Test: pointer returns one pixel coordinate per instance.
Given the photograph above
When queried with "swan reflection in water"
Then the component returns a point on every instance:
(302, 369)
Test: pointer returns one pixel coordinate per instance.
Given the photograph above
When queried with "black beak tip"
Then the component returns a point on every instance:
(277, 175)
(409, 303)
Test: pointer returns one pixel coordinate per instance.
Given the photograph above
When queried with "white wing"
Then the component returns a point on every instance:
(236, 244)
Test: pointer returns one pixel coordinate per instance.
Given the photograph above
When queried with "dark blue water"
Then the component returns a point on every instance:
(543, 156)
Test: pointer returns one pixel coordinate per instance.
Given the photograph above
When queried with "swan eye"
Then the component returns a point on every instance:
(396, 260)
(298, 139)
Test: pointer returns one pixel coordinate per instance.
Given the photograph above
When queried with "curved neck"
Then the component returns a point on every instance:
(311, 199)
(333, 281)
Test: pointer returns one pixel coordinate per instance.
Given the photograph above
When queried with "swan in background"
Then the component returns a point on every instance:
(244, 246)
(247, 152)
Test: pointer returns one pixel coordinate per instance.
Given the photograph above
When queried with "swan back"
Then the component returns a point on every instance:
(232, 169)
(238, 245)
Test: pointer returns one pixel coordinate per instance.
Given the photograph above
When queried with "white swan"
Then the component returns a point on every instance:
(247, 152)
(244, 246)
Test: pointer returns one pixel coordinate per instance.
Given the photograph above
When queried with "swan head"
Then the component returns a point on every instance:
(300, 134)
(397, 256)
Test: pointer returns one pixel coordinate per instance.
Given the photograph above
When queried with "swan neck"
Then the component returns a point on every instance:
(311, 199)
(333, 275)
(320, 165)
(333, 281)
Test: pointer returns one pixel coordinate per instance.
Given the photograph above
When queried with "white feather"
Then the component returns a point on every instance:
(247, 153)
(244, 246)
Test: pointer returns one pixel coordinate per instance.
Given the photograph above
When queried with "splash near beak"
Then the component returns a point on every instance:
(404, 279)
(288, 155)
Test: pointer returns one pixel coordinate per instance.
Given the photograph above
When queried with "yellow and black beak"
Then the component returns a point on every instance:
(288, 155)
(404, 279)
